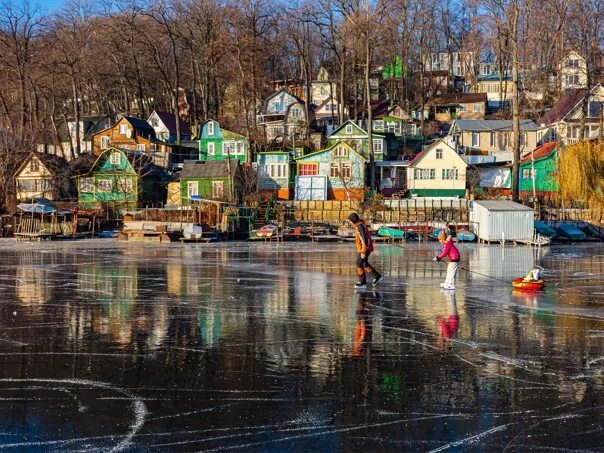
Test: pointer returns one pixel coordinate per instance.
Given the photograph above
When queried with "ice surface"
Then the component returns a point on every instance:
(107, 346)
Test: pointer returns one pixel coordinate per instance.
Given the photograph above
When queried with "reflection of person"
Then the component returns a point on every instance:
(362, 328)
(364, 244)
(450, 251)
(450, 324)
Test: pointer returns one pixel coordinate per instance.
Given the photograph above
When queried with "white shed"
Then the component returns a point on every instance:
(497, 220)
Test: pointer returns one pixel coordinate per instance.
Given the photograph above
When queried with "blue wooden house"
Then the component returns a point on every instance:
(339, 170)
(276, 171)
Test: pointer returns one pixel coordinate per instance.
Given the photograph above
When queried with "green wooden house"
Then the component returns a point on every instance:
(355, 136)
(209, 179)
(124, 177)
(539, 167)
(217, 143)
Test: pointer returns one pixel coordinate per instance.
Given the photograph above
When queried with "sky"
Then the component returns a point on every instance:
(48, 5)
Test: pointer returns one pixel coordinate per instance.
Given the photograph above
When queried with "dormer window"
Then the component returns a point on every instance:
(211, 128)
(34, 165)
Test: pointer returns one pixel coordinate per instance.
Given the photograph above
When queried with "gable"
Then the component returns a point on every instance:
(104, 164)
(211, 130)
(280, 101)
(342, 130)
(428, 155)
(329, 153)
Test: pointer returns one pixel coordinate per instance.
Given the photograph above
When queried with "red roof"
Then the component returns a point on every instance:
(540, 152)
(563, 107)
(170, 123)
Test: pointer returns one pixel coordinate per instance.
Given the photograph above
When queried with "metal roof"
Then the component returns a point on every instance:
(493, 125)
(502, 205)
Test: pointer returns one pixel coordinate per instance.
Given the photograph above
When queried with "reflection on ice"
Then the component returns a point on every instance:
(255, 346)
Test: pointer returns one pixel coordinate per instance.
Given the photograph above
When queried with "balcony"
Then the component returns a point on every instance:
(269, 118)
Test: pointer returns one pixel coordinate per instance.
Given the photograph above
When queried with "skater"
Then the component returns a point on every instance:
(364, 244)
(450, 251)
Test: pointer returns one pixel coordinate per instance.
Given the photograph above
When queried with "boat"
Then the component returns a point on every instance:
(264, 232)
(592, 230)
(544, 229)
(571, 231)
(462, 235)
(465, 235)
(346, 231)
(394, 233)
(531, 285)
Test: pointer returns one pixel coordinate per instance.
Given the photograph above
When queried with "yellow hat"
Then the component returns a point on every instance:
(442, 235)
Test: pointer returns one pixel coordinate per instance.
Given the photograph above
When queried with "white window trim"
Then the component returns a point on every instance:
(211, 128)
(192, 188)
(123, 129)
(115, 156)
(211, 149)
(349, 129)
(477, 135)
(379, 149)
(439, 153)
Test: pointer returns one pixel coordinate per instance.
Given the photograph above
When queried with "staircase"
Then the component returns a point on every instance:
(264, 213)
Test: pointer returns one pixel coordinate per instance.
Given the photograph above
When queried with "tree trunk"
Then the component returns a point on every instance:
(515, 105)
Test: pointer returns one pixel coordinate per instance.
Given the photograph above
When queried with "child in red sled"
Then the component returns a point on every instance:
(450, 251)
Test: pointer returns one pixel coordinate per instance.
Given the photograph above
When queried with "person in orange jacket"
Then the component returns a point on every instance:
(364, 245)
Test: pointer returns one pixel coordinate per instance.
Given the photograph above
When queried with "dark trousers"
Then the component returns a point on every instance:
(363, 268)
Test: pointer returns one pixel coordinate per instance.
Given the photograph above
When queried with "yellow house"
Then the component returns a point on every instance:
(438, 171)
(492, 137)
(39, 176)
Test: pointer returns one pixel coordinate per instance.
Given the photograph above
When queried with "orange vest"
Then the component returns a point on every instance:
(358, 240)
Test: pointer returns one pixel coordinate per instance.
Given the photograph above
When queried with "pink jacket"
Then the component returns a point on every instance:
(450, 251)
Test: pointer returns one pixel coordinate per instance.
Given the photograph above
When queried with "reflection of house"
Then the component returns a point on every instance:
(40, 176)
(211, 179)
(283, 118)
(356, 137)
(217, 143)
(341, 165)
(572, 72)
(438, 171)
(164, 125)
(275, 173)
(537, 170)
(563, 121)
(448, 107)
(492, 138)
(122, 176)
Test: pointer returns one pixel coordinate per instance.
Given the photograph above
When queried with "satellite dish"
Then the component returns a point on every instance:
(128, 133)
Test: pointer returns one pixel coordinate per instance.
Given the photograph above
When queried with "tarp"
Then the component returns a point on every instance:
(500, 178)
(42, 206)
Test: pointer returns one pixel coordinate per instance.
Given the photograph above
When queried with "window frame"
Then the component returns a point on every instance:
(191, 185)
(112, 158)
(303, 168)
(211, 149)
(211, 128)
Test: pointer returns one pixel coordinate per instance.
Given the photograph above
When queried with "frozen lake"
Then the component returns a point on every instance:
(267, 347)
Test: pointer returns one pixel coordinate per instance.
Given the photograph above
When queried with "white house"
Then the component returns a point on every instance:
(438, 171)
(563, 121)
(572, 71)
(283, 117)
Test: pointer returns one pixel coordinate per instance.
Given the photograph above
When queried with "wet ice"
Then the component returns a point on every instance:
(267, 347)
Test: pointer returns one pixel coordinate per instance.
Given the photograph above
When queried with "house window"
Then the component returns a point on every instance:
(378, 125)
(210, 149)
(475, 139)
(439, 153)
(192, 188)
(124, 185)
(115, 158)
(340, 151)
(276, 170)
(522, 139)
(34, 166)
(105, 141)
(463, 108)
(450, 173)
(349, 129)
(477, 108)
(425, 173)
(123, 129)
(296, 113)
(217, 189)
(141, 147)
(572, 80)
(308, 169)
(595, 109)
(528, 173)
(573, 63)
(397, 128)
(346, 170)
(211, 128)
(378, 146)
(334, 170)
(334, 107)
(104, 185)
(86, 185)
(492, 140)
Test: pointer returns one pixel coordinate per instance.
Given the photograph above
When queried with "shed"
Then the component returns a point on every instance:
(502, 220)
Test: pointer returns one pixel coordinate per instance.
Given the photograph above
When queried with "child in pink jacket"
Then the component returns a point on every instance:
(450, 251)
